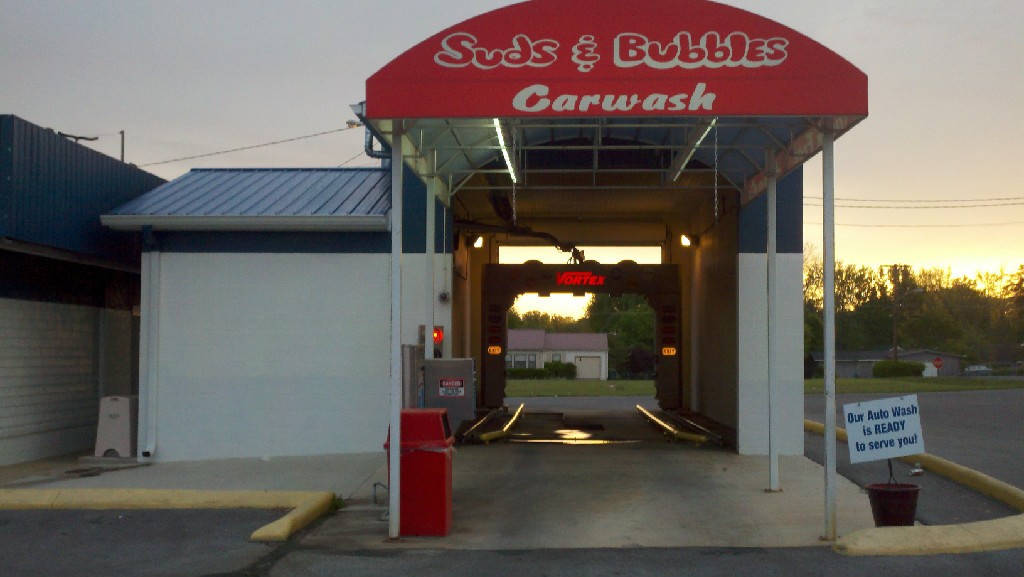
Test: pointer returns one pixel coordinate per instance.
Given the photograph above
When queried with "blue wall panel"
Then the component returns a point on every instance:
(414, 210)
(753, 223)
(52, 191)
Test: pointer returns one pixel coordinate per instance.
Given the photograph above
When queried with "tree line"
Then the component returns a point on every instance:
(980, 318)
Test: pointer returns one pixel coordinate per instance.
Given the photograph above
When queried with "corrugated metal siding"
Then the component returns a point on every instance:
(52, 191)
(48, 377)
(268, 192)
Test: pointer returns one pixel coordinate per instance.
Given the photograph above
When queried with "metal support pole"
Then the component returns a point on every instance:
(696, 321)
(394, 458)
(429, 322)
(773, 324)
(829, 306)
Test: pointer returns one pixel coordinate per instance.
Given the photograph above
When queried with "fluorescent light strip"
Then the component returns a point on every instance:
(504, 150)
(693, 149)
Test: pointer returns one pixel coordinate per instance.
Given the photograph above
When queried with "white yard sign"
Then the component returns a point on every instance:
(883, 429)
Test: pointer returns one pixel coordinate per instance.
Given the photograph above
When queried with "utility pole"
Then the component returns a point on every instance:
(896, 277)
(895, 312)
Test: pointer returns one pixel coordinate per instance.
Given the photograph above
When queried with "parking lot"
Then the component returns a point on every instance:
(540, 508)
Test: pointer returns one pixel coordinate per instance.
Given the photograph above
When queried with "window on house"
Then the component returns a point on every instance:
(508, 361)
(556, 357)
(519, 361)
(532, 362)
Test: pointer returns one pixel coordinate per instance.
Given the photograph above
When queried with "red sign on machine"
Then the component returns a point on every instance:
(581, 278)
(452, 388)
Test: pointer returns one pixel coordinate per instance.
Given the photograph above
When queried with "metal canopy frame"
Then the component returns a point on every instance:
(452, 151)
(750, 154)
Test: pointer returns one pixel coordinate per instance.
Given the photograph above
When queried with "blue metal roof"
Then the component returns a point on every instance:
(263, 199)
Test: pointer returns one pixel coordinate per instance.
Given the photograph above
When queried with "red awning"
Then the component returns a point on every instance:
(605, 58)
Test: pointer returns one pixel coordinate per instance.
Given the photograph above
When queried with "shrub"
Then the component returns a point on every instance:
(885, 369)
(525, 373)
(557, 370)
(551, 370)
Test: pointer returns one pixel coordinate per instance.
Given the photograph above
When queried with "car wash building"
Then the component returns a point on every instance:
(281, 308)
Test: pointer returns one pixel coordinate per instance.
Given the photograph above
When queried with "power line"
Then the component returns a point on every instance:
(897, 207)
(276, 142)
(922, 200)
(351, 159)
(956, 225)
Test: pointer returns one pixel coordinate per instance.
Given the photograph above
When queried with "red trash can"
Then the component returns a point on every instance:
(426, 472)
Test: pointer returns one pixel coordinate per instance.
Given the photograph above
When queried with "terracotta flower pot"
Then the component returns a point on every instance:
(893, 504)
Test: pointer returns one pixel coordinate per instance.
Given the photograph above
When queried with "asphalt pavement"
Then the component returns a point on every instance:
(979, 429)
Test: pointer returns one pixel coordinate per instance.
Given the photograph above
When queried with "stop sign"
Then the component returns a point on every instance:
(937, 363)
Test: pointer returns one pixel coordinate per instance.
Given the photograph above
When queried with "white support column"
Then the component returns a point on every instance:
(394, 458)
(774, 334)
(428, 321)
(696, 308)
(149, 354)
(829, 306)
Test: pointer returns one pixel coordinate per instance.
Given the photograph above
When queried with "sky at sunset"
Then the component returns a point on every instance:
(928, 179)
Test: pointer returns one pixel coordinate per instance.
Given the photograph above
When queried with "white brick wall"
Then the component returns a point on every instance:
(48, 379)
(266, 355)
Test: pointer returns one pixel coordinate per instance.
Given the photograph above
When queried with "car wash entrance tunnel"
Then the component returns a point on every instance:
(659, 284)
(677, 125)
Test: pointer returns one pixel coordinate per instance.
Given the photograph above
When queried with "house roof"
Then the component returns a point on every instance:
(340, 199)
(525, 339)
(540, 340)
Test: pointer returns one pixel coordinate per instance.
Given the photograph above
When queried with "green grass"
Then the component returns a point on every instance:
(909, 385)
(578, 388)
(913, 385)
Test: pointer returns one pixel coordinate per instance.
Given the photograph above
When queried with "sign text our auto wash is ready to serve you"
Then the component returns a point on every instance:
(883, 429)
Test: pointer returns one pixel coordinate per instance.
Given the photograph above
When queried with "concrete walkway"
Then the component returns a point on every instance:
(574, 475)
(588, 476)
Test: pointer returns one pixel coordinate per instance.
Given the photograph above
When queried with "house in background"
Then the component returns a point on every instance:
(860, 364)
(533, 348)
(68, 289)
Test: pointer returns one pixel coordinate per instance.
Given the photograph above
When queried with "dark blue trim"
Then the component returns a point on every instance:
(275, 242)
(753, 218)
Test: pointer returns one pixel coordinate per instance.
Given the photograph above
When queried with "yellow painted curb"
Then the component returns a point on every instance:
(306, 506)
(309, 510)
(980, 482)
(1005, 533)
(996, 534)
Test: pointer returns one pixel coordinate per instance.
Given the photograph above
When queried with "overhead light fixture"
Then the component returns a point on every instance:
(685, 240)
(504, 150)
(479, 242)
(693, 149)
